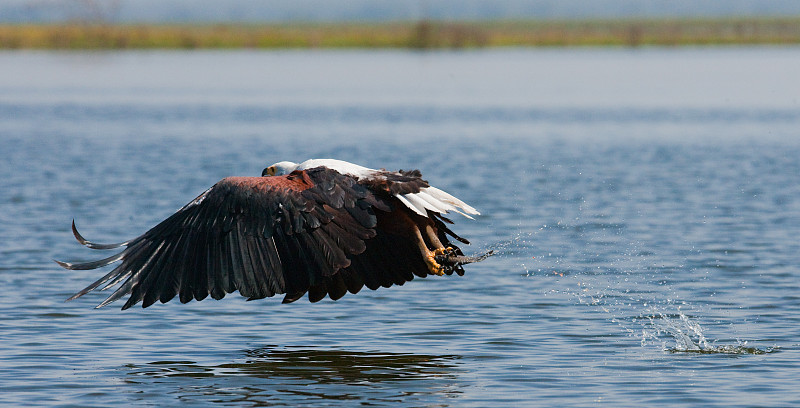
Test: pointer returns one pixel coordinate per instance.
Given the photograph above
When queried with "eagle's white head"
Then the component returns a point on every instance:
(279, 169)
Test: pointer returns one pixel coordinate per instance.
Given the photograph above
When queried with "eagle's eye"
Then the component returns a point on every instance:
(269, 171)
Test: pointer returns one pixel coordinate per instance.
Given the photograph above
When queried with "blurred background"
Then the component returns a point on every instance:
(239, 11)
(404, 23)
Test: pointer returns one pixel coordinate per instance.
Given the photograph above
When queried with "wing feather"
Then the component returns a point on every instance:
(235, 255)
(449, 199)
(254, 259)
(219, 279)
(123, 290)
(336, 287)
(317, 292)
(124, 271)
(93, 245)
(413, 206)
(353, 281)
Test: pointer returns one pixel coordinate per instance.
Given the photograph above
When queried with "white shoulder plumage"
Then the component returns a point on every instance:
(428, 199)
(339, 165)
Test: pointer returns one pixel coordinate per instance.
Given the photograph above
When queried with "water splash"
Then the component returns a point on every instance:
(654, 317)
(731, 349)
(628, 288)
(520, 245)
(673, 332)
(685, 332)
(521, 242)
(688, 337)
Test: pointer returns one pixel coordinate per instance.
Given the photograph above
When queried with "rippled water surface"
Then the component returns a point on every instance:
(644, 206)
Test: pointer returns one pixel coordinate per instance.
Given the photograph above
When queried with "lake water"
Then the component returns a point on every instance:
(644, 206)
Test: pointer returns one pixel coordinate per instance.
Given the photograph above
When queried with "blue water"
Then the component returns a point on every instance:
(644, 206)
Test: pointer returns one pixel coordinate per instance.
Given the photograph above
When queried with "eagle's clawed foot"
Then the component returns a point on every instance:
(443, 251)
(433, 267)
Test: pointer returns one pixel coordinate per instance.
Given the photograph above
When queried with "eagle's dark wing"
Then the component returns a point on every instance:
(259, 235)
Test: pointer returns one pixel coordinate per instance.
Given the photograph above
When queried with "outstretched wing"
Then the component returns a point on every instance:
(259, 235)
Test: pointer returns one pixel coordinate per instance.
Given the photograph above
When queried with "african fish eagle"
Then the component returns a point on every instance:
(322, 227)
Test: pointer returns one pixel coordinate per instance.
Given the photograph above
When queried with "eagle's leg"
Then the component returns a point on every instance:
(438, 248)
(429, 256)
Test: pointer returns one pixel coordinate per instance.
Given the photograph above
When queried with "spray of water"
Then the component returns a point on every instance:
(651, 313)
(664, 323)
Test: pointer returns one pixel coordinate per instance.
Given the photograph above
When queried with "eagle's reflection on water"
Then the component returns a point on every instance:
(274, 375)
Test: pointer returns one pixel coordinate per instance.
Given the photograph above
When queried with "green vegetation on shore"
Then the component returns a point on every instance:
(420, 35)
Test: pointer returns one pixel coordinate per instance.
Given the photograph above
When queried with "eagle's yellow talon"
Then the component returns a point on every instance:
(442, 251)
(434, 267)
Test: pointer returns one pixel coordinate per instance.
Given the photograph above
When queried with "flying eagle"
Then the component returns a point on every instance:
(322, 227)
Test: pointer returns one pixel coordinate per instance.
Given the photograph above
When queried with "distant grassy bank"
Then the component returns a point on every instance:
(419, 35)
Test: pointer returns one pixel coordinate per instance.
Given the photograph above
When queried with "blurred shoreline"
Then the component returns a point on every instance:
(81, 35)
